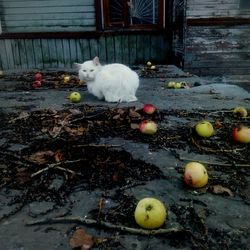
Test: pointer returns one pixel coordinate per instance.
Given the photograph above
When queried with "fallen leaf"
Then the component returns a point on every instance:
(134, 125)
(134, 114)
(59, 156)
(81, 239)
(218, 189)
(41, 157)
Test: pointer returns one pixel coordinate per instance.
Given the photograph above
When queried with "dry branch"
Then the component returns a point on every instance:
(85, 221)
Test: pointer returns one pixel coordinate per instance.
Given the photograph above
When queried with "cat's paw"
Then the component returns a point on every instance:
(131, 99)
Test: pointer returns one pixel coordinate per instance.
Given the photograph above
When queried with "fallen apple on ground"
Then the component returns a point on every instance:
(241, 134)
(195, 175)
(149, 109)
(149, 64)
(75, 97)
(171, 85)
(150, 213)
(148, 127)
(177, 85)
(66, 79)
(38, 76)
(204, 129)
(240, 112)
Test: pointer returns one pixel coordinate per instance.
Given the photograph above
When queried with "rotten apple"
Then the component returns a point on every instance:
(240, 112)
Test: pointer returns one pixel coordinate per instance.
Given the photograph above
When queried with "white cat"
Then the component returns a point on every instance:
(112, 82)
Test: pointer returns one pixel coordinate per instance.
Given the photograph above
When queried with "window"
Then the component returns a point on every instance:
(244, 4)
(132, 14)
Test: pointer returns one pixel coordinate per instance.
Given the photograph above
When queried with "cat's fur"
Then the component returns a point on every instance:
(112, 82)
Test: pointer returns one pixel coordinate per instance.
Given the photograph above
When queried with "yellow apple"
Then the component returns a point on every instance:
(153, 67)
(149, 63)
(177, 85)
(66, 79)
(148, 127)
(240, 112)
(195, 175)
(171, 85)
(75, 97)
(150, 213)
(204, 129)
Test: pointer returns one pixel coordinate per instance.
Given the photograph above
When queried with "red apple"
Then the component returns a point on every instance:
(195, 175)
(37, 84)
(241, 134)
(149, 109)
(148, 127)
(38, 76)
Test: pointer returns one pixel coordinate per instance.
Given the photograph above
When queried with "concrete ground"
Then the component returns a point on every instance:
(230, 214)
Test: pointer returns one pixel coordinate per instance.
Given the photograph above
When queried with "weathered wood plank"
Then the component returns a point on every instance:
(94, 50)
(3, 55)
(45, 3)
(125, 49)
(9, 53)
(59, 52)
(118, 49)
(73, 52)
(132, 40)
(66, 53)
(85, 47)
(110, 49)
(16, 54)
(102, 50)
(53, 53)
(30, 53)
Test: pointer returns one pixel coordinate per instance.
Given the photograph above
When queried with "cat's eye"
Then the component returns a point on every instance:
(84, 70)
(91, 70)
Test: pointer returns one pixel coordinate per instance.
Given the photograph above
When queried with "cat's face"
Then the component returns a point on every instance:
(88, 71)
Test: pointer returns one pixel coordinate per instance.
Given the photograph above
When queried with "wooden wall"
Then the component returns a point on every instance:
(23, 54)
(217, 37)
(47, 15)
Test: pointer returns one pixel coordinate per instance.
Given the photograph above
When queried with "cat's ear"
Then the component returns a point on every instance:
(77, 65)
(96, 61)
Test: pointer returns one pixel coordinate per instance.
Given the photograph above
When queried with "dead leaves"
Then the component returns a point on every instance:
(80, 239)
(218, 189)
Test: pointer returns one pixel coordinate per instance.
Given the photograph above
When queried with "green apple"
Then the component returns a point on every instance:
(204, 129)
(150, 213)
(149, 63)
(195, 175)
(75, 97)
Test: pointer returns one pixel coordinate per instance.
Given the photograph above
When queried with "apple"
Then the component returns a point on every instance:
(195, 175)
(66, 79)
(150, 213)
(149, 109)
(177, 85)
(75, 97)
(153, 67)
(240, 112)
(38, 76)
(204, 129)
(241, 134)
(171, 85)
(37, 84)
(148, 127)
(149, 63)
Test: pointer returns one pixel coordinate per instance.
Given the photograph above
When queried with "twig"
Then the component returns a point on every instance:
(216, 163)
(97, 145)
(68, 170)
(85, 221)
(214, 150)
(55, 165)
